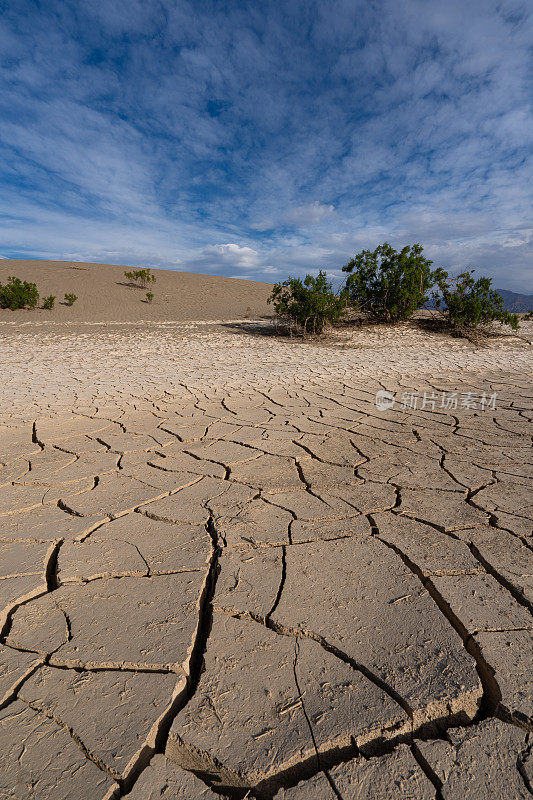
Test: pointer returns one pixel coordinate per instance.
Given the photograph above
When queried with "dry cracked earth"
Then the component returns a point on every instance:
(225, 572)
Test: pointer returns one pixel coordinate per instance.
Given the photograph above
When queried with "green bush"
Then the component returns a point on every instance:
(149, 296)
(70, 298)
(387, 284)
(141, 277)
(310, 303)
(18, 294)
(48, 302)
(468, 303)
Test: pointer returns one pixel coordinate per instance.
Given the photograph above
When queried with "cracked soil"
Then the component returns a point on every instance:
(225, 572)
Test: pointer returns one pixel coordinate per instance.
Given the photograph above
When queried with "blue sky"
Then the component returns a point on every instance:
(265, 138)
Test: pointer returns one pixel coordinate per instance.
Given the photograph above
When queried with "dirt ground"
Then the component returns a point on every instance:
(241, 565)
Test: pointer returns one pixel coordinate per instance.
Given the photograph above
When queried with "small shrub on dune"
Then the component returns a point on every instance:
(70, 298)
(149, 296)
(140, 277)
(310, 304)
(467, 303)
(48, 302)
(18, 294)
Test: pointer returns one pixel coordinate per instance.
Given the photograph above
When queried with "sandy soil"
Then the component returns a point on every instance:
(61, 365)
(104, 294)
(226, 570)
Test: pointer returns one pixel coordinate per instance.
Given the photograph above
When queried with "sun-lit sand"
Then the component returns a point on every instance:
(104, 294)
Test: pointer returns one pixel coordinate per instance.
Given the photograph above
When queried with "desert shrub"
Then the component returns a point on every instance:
(387, 284)
(18, 294)
(70, 298)
(468, 303)
(310, 303)
(140, 277)
(528, 315)
(149, 296)
(48, 302)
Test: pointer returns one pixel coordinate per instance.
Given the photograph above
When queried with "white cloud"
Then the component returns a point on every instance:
(310, 214)
(518, 238)
(410, 121)
(232, 255)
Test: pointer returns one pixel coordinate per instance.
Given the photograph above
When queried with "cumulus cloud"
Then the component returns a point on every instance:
(233, 260)
(233, 255)
(262, 141)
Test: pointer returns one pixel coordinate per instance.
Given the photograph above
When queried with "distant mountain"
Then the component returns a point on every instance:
(517, 302)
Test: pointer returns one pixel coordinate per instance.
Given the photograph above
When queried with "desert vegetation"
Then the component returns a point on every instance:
(149, 297)
(309, 304)
(140, 277)
(390, 286)
(467, 303)
(17, 294)
(387, 284)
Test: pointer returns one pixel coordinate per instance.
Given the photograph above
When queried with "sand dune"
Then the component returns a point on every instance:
(103, 294)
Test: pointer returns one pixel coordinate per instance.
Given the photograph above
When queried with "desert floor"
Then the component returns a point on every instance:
(224, 570)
